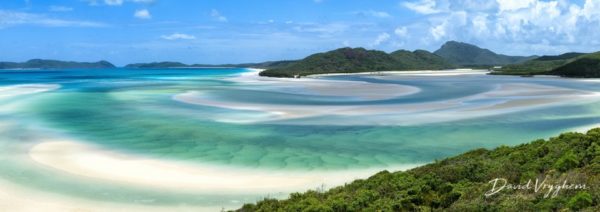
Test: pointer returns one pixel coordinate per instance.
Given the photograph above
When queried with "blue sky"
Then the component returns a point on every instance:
(236, 31)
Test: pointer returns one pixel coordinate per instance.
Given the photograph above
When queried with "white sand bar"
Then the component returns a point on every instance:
(75, 158)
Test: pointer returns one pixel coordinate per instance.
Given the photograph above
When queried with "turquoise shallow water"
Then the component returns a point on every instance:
(133, 111)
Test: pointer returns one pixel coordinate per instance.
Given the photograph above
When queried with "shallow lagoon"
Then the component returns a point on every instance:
(230, 118)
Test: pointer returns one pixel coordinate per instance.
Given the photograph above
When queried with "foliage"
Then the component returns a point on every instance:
(566, 65)
(157, 65)
(352, 60)
(541, 65)
(465, 54)
(459, 183)
(54, 64)
(584, 66)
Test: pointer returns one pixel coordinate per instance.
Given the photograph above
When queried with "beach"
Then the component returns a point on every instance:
(203, 141)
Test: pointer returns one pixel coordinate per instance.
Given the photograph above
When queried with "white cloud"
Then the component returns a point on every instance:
(381, 38)
(507, 5)
(591, 10)
(323, 29)
(55, 8)
(117, 2)
(438, 32)
(113, 2)
(546, 25)
(142, 14)
(178, 36)
(217, 15)
(11, 18)
(401, 31)
(373, 13)
(422, 6)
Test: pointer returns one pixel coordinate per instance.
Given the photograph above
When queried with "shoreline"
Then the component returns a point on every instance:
(74, 157)
(507, 97)
(445, 72)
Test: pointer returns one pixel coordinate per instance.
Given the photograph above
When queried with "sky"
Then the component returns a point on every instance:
(239, 31)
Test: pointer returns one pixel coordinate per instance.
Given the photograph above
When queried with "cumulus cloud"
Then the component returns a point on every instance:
(178, 36)
(142, 14)
(401, 31)
(217, 15)
(528, 23)
(422, 6)
(381, 38)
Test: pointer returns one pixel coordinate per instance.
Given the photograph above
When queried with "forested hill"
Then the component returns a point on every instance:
(584, 66)
(460, 183)
(352, 60)
(54, 64)
(465, 54)
(571, 64)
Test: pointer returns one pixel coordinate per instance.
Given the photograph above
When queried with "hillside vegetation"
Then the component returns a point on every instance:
(54, 64)
(165, 64)
(541, 65)
(460, 183)
(465, 54)
(565, 65)
(584, 66)
(352, 60)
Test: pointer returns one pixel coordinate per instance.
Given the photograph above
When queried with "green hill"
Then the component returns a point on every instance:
(567, 65)
(352, 60)
(165, 64)
(419, 60)
(541, 65)
(587, 66)
(465, 54)
(460, 183)
(54, 64)
(565, 56)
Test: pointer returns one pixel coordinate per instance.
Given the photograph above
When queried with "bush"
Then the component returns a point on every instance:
(580, 201)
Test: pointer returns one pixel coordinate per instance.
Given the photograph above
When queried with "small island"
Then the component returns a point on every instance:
(55, 64)
(451, 55)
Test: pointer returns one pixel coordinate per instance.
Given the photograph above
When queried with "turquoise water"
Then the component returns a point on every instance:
(133, 111)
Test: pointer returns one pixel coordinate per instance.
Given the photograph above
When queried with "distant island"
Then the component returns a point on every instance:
(54, 64)
(465, 182)
(352, 60)
(571, 64)
(451, 55)
(465, 55)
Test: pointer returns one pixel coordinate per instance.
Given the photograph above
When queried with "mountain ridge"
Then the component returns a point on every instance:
(54, 64)
(466, 54)
(353, 60)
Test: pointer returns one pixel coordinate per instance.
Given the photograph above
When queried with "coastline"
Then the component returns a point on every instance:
(507, 97)
(447, 72)
(74, 157)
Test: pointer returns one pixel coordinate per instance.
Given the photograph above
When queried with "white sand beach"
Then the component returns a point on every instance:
(75, 158)
(509, 97)
(361, 90)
